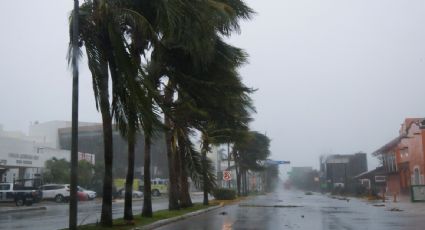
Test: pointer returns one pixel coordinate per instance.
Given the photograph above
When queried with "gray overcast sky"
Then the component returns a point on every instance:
(334, 76)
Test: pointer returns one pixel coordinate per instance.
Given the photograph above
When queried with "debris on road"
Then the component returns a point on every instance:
(395, 210)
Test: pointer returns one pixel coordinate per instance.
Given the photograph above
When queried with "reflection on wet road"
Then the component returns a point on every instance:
(56, 215)
(294, 210)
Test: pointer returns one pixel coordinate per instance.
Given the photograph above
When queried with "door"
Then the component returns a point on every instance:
(417, 176)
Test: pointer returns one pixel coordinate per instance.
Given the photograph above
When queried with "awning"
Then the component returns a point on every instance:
(377, 171)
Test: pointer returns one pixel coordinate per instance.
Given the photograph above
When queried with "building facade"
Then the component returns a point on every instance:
(90, 140)
(23, 159)
(340, 170)
(403, 158)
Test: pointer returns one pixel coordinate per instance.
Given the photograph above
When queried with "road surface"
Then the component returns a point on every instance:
(295, 210)
(56, 215)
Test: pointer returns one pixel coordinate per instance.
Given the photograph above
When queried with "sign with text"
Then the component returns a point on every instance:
(418, 193)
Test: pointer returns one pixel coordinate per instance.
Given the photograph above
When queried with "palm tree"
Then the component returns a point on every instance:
(74, 139)
(103, 26)
(182, 54)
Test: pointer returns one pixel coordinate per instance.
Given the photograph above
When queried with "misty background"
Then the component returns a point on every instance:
(333, 77)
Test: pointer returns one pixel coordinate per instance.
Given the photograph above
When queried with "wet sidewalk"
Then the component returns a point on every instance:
(11, 209)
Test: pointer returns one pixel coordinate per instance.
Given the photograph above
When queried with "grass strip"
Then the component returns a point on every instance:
(139, 221)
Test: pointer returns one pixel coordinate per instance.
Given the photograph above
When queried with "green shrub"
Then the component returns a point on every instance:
(224, 194)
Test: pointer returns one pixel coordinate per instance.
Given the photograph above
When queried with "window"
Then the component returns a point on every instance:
(380, 178)
(390, 162)
(4, 186)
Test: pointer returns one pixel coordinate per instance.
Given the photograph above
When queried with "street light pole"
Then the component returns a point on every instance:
(74, 133)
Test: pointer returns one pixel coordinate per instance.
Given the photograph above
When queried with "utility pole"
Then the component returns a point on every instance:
(74, 135)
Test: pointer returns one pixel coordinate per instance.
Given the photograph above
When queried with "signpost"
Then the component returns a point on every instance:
(227, 175)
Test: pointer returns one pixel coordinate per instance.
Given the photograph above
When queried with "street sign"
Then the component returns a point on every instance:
(282, 162)
(227, 175)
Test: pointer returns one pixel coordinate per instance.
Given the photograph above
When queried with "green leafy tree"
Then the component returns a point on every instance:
(56, 171)
(86, 172)
(250, 151)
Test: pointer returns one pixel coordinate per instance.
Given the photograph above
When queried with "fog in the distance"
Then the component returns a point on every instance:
(332, 76)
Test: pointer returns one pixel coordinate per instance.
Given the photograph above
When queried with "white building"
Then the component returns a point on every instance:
(23, 157)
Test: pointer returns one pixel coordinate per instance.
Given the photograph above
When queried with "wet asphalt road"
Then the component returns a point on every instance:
(56, 215)
(313, 212)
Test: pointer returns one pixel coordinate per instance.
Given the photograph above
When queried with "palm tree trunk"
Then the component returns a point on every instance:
(228, 162)
(173, 193)
(185, 200)
(177, 166)
(106, 215)
(128, 206)
(204, 172)
(245, 182)
(242, 182)
(74, 140)
(238, 174)
(173, 198)
(147, 193)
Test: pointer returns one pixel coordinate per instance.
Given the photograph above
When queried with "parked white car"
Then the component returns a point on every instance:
(90, 194)
(57, 192)
(136, 194)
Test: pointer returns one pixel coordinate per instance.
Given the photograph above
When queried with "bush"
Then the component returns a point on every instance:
(224, 194)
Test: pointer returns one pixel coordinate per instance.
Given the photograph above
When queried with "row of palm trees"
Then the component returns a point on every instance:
(162, 67)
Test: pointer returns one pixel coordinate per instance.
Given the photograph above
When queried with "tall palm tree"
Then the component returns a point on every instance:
(74, 139)
(103, 26)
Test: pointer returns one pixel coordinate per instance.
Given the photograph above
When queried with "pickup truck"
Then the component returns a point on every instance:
(21, 195)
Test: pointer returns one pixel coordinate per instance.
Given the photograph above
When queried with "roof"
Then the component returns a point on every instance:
(378, 171)
(390, 145)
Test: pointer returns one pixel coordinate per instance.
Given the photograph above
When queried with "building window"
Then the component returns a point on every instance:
(390, 162)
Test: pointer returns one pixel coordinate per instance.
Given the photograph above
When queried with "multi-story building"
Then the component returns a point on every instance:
(339, 170)
(23, 156)
(90, 140)
(403, 158)
(24, 159)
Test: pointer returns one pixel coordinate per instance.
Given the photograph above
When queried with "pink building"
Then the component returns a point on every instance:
(403, 158)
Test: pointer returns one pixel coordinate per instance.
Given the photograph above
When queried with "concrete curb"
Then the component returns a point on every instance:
(13, 210)
(161, 223)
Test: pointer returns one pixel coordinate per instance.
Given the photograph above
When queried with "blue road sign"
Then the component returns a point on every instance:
(279, 162)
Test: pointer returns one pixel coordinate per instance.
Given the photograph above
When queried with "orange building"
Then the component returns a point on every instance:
(403, 158)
